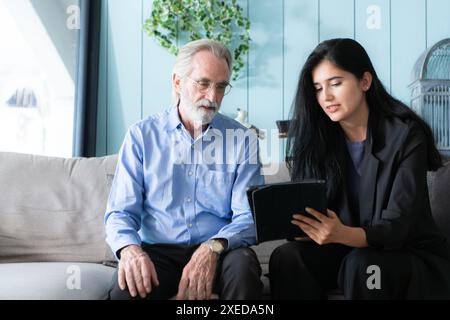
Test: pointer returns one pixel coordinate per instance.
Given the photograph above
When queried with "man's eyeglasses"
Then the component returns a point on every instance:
(203, 86)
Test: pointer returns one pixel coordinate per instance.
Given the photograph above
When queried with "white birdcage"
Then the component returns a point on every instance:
(430, 91)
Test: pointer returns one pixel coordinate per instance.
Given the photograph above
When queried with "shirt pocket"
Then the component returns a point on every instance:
(214, 191)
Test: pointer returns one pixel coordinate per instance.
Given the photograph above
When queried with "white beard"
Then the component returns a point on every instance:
(197, 113)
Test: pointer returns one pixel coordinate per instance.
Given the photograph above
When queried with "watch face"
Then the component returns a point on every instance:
(217, 246)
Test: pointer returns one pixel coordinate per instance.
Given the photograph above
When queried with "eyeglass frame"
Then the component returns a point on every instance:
(211, 83)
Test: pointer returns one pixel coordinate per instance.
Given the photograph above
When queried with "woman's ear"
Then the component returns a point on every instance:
(366, 81)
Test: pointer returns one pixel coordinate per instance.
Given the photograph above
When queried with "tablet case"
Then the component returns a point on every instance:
(273, 205)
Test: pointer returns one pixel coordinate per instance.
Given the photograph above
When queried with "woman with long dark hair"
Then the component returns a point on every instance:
(378, 239)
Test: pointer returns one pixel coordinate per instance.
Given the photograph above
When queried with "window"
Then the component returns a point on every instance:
(39, 42)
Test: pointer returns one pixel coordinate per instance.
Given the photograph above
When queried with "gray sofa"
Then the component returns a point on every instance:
(52, 239)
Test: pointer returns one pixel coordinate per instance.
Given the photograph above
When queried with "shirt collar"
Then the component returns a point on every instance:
(173, 120)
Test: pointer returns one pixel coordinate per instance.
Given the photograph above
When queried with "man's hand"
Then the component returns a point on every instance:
(136, 271)
(198, 275)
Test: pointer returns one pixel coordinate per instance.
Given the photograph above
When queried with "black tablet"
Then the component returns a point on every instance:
(274, 204)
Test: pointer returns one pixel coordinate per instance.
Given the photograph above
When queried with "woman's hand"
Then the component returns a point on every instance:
(328, 229)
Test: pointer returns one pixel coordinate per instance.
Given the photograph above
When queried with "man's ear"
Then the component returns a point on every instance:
(176, 82)
(366, 81)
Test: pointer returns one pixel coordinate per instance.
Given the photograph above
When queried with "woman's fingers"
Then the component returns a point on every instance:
(312, 222)
(316, 214)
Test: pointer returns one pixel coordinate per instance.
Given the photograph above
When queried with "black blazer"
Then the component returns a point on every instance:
(393, 197)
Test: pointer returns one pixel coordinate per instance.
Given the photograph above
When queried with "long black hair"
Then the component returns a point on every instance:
(313, 139)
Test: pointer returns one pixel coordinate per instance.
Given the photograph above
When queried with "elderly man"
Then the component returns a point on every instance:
(178, 218)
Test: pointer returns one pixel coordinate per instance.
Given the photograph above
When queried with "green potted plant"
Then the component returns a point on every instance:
(222, 21)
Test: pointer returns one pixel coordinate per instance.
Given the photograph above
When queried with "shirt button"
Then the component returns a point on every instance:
(190, 225)
(190, 173)
(188, 199)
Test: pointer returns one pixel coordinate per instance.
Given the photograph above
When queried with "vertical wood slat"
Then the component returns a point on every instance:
(375, 41)
(124, 69)
(336, 19)
(438, 20)
(238, 96)
(408, 42)
(265, 71)
(157, 64)
(300, 38)
(301, 34)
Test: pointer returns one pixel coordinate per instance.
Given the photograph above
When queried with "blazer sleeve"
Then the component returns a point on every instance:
(408, 195)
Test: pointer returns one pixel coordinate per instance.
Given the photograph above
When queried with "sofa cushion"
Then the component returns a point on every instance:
(439, 188)
(275, 172)
(50, 281)
(52, 209)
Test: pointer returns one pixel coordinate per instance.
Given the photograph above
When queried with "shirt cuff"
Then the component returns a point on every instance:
(123, 242)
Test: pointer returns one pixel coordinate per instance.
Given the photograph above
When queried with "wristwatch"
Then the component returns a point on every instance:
(215, 245)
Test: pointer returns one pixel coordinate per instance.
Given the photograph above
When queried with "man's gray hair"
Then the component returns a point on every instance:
(183, 65)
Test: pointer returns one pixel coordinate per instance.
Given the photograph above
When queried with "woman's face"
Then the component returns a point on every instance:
(340, 94)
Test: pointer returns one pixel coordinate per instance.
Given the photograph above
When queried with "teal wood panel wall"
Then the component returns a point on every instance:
(135, 73)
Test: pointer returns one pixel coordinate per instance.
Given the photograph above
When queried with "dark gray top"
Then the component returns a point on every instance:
(356, 153)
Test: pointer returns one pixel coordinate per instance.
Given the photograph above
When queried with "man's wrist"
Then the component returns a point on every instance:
(129, 248)
(217, 245)
(224, 243)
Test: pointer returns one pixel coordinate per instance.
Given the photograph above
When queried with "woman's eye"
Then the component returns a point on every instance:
(318, 89)
(336, 84)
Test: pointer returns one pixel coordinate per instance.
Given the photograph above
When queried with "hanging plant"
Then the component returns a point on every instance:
(222, 21)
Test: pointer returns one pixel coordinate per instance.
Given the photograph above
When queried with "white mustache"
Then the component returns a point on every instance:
(206, 103)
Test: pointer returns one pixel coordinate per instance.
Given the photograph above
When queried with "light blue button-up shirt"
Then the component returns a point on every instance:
(170, 188)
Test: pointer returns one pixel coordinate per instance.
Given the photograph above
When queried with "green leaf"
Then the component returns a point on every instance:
(223, 21)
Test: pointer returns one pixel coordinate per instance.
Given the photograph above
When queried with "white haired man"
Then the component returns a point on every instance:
(181, 226)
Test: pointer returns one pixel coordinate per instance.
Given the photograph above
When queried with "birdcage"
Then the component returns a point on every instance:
(430, 92)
